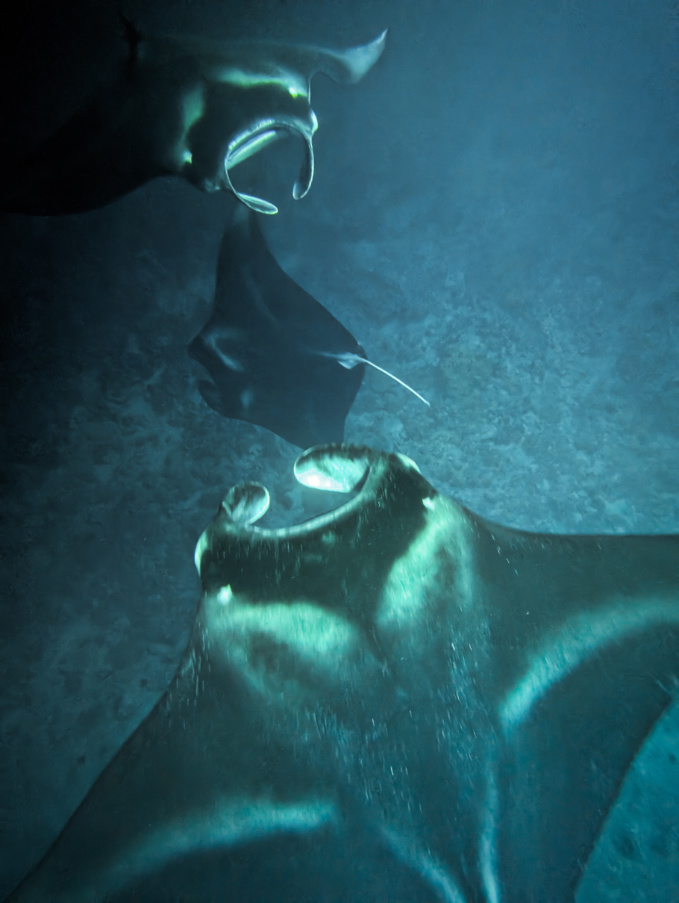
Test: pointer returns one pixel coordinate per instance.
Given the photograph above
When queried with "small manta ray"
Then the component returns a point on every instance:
(276, 356)
(190, 107)
(397, 700)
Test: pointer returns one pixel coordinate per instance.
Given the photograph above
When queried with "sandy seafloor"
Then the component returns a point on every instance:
(495, 216)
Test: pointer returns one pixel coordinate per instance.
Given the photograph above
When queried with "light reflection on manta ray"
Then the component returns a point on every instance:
(182, 106)
(398, 700)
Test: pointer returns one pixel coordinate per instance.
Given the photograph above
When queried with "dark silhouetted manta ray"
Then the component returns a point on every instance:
(271, 349)
(183, 106)
(277, 358)
(398, 700)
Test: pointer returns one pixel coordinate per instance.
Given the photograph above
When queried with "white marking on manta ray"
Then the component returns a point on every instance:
(426, 865)
(302, 635)
(488, 842)
(226, 823)
(247, 397)
(231, 363)
(292, 82)
(219, 343)
(192, 105)
(577, 641)
(225, 595)
(407, 598)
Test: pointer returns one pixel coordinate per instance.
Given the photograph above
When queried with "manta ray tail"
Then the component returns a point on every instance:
(349, 360)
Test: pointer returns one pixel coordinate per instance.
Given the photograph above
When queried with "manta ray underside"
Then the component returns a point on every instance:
(271, 349)
(183, 106)
(398, 700)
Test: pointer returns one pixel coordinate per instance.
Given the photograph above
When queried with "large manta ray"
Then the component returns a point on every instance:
(181, 106)
(398, 700)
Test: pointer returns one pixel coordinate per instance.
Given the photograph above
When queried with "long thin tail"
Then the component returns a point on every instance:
(349, 360)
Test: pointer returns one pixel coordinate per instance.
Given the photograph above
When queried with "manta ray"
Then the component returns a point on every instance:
(271, 349)
(183, 106)
(396, 700)
(275, 355)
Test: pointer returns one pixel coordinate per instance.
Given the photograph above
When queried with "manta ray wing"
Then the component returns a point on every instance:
(395, 700)
(585, 632)
(268, 346)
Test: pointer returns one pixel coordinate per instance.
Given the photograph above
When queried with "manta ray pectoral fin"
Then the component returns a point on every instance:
(349, 66)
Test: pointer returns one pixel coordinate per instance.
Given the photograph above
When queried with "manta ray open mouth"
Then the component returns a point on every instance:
(253, 140)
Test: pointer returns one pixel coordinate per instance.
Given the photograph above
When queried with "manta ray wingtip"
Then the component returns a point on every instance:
(364, 58)
(381, 39)
(350, 65)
